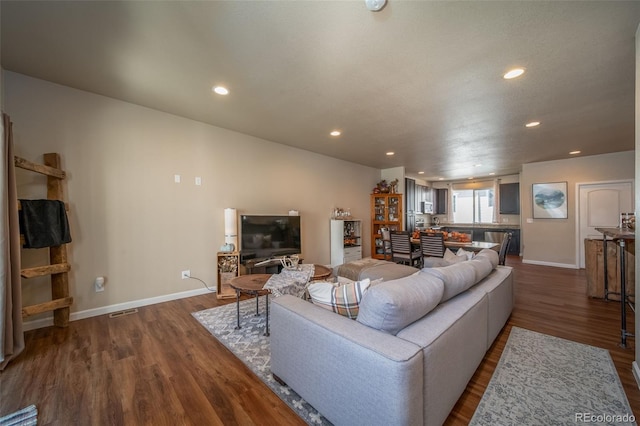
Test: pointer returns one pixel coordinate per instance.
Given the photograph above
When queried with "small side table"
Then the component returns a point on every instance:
(251, 285)
(320, 273)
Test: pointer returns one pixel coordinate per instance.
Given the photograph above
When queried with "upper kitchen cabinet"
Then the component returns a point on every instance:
(440, 205)
(510, 198)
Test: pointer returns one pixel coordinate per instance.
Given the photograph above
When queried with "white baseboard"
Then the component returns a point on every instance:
(46, 322)
(557, 265)
(636, 372)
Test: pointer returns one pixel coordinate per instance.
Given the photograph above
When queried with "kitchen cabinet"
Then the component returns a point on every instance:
(510, 198)
(386, 212)
(442, 195)
(410, 204)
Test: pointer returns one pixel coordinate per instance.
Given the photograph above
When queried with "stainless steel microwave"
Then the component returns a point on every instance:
(426, 207)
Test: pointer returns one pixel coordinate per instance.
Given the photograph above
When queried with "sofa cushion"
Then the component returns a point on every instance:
(456, 278)
(492, 255)
(343, 299)
(392, 305)
(482, 266)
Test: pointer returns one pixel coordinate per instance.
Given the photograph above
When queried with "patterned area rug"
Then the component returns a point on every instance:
(26, 417)
(251, 346)
(545, 380)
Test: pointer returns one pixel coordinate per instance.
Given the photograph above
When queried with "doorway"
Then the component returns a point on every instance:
(600, 205)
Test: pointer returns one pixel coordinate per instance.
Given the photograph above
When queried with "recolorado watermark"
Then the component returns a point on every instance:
(604, 418)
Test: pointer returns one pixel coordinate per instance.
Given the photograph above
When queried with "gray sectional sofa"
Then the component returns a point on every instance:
(410, 353)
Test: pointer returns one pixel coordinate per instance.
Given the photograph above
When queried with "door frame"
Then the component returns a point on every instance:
(579, 185)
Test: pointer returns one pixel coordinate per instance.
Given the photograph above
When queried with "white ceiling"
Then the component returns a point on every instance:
(420, 78)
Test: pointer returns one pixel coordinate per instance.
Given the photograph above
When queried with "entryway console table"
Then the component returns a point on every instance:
(619, 236)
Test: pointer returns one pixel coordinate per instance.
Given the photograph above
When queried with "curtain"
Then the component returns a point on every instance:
(496, 201)
(12, 337)
(450, 202)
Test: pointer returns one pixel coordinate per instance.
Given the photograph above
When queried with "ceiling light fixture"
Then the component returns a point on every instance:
(440, 178)
(491, 174)
(516, 72)
(390, 153)
(470, 178)
(375, 5)
(220, 90)
(575, 152)
(420, 173)
(335, 133)
(532, 124)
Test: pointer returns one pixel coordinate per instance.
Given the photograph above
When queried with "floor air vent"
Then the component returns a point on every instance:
(123, 313)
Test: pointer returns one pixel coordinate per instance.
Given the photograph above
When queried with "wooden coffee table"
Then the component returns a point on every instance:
(320, 272)
(252, 285)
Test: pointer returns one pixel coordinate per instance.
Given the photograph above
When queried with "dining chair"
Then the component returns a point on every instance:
(431, 245)
(401, 250)
(504, 248)
(386, 243)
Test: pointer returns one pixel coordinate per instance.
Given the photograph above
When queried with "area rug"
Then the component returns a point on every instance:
(251, 346)
(546, 380)
(26, 417)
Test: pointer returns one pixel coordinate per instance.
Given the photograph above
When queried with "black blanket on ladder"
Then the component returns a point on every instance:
(44, 223)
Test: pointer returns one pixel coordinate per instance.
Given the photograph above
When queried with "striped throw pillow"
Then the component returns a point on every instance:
(343, 299)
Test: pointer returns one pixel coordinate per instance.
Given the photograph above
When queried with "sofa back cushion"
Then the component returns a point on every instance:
(456, 278)
(492, 255)
(392, 305)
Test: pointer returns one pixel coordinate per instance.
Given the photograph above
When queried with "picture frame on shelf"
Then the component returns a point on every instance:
(549, 200)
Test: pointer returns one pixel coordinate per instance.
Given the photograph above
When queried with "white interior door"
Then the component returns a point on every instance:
(600, 207)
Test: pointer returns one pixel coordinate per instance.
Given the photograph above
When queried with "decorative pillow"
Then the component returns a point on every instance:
(451, 258)
(392, 305)
(468, 255)
(343, 299)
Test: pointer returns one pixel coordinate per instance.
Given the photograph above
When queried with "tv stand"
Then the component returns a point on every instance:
(271, 265)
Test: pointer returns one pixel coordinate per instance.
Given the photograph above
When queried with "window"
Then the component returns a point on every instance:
(473, 205)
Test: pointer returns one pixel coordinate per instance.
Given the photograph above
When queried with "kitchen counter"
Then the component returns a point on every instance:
(477, 225)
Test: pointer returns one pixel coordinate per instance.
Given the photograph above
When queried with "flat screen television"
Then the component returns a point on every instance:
(263, 237)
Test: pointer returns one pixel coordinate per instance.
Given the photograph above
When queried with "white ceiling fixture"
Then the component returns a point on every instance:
(514, 73)
(390, 153)
(335, 133)
(221, 90)
(575, 152)
(375, 5)
(532, 124)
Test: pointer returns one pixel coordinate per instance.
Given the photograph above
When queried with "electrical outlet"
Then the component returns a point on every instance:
(186, 274)
(99, 284)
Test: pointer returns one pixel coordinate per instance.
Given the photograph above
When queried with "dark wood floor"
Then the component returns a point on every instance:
(161, 367)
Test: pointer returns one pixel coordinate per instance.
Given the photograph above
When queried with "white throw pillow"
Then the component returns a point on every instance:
(468, 254)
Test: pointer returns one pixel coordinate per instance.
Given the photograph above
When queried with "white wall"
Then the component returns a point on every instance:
(131, 223)
(553, 241)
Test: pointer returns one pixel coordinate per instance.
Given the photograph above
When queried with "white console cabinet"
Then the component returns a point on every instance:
(346, 241)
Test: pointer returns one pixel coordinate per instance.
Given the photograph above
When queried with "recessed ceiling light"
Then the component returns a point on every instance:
(516, 72)
(575, 152)
(470, 178)
(440, 178)
(491, 174)
(420, 173)
(335, 133)
(532, 124)
(220, 90)
(477, 165)
(390, 153)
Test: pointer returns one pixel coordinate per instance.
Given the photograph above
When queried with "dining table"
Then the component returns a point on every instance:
(474, 246)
